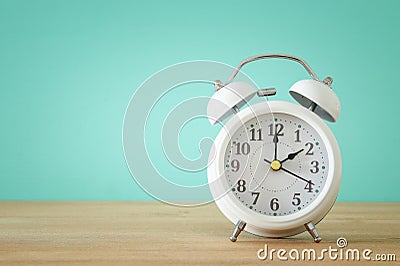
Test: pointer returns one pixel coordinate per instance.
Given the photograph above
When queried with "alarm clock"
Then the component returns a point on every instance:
(275, 167)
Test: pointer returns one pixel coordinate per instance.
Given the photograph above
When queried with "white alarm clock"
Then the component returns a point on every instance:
(275, 167)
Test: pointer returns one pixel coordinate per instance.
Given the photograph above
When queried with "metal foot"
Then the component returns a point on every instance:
(313, 232)
(240, 225)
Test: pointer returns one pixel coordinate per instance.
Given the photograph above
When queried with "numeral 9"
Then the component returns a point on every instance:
(235, 165)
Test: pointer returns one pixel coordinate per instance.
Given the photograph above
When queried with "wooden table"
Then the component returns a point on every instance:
(137, 233)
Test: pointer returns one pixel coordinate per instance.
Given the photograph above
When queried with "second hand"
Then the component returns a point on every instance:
(290, 172)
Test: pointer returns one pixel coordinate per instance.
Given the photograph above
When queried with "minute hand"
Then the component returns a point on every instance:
(275, 141)
(296, 175)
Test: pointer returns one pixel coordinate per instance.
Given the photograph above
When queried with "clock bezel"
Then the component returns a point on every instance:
(265, 225)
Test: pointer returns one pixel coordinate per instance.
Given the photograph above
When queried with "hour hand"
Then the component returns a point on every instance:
(291, 156)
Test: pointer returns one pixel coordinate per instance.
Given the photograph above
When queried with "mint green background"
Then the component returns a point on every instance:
(69, 68)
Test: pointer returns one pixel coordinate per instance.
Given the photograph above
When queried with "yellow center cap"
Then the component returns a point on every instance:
(275, 165)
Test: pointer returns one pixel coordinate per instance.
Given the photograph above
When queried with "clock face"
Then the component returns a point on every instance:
(276, 165)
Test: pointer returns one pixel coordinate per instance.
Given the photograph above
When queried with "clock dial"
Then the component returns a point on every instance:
(276, 165)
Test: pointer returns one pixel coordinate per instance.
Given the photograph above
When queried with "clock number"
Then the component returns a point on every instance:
(309, 187)
(242, 149)
(315, 168)
(297, 132)
(274, 204)
(253, 134)
(278, 129)
(310, 148)
(296, 199)
(257, 194)
(241, 185)
(235, 165)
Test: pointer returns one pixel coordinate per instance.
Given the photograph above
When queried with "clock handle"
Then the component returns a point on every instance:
(218, 84)
(314, 94)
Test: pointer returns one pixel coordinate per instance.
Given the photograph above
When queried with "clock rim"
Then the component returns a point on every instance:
(265, 225)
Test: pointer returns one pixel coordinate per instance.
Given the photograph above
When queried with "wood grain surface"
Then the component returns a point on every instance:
(152, 233)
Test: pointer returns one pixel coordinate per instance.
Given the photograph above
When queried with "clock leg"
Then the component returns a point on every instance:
(240, 225)
(313, 232)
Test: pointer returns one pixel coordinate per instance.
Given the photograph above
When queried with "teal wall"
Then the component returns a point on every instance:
(69, 68)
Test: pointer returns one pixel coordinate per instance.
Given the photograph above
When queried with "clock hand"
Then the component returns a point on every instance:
(293, 174)
(275, 140)
(291, 156)
(297, 176)
(267, 161)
